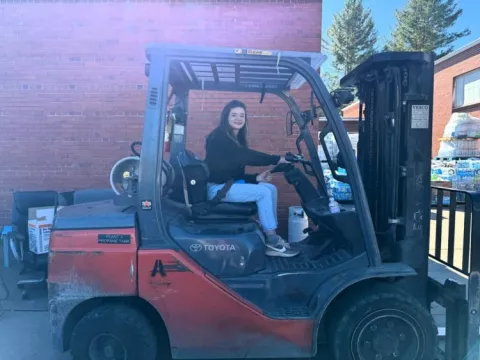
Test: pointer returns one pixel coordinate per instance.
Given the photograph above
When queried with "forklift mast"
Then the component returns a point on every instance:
(395, 90)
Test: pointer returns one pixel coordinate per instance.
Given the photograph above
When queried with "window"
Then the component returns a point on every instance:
(467, 89)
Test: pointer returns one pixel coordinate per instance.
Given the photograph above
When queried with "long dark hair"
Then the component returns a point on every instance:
(225, 126)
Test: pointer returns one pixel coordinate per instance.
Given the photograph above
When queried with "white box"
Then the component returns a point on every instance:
(40, 221)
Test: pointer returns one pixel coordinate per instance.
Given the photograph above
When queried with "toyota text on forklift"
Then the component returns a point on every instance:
(144, 289)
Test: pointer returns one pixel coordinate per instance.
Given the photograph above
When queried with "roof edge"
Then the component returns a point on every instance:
(458, 51)
(357, 102)
(345, 119)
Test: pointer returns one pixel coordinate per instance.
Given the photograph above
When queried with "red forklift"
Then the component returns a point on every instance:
(159, 272)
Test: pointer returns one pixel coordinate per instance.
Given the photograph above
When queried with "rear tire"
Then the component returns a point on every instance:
(381, 323)
(114, 332)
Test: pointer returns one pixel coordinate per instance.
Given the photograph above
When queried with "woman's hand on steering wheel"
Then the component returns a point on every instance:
(265, 176)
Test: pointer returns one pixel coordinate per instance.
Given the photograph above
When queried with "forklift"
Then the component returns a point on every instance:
(159, 272)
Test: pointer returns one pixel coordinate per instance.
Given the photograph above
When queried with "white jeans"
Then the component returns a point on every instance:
(264, 194)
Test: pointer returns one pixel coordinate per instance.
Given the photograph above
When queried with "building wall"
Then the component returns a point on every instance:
(350, 116)
(445, 73)
(72, 84)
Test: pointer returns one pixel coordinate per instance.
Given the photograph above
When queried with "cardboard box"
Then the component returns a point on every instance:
(40, 221)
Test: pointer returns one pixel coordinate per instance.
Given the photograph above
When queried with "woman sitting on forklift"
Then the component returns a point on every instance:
(227, 154)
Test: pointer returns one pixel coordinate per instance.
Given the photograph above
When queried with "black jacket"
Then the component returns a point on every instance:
(226, 158)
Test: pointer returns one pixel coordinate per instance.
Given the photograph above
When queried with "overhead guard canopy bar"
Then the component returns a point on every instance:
(231, 69)
(393, 58)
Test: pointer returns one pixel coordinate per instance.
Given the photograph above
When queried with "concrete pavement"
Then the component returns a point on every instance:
(24, 330)
(24, 336)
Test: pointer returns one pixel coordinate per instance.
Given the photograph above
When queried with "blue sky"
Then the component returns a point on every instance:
(383, 12)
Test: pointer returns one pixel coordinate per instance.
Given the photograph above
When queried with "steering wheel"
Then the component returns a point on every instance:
(292, 159)
(296, 158)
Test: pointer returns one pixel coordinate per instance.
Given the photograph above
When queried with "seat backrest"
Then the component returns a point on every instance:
(194, 177)
(66, 198)
(92, 195)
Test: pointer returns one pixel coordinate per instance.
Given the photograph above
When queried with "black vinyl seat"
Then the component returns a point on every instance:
(192, 173)
(234, 209)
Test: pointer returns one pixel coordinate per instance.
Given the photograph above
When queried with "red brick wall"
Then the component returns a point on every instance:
(445, 73)
(72, 88)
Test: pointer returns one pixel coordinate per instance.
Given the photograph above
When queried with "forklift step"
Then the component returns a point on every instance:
(306, 261)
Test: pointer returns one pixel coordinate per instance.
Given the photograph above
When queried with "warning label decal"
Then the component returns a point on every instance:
(420, 116)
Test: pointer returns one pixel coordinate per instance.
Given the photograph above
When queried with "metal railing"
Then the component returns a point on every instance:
(461, 204)
(460, 250)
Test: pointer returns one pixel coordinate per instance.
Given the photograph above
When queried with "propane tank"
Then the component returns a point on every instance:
(297, 222)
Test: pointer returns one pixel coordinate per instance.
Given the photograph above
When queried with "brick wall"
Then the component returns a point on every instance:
(72, 88)
(445, 72)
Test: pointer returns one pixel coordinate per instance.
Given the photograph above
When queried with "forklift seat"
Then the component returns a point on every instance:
(229, 209)
(194, 177)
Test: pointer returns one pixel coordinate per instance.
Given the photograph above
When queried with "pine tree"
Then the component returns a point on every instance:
(424, 25)
(352, 36)
(331, 80)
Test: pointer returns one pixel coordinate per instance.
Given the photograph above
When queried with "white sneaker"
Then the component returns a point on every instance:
(279, 248)
(284, 242)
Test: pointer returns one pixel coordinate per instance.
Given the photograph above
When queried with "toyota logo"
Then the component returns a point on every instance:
(195, 247)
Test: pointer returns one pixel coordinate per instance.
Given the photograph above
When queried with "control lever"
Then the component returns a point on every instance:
(307, 230)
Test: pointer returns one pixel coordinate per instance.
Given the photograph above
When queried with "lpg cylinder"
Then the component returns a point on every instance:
(297, 222)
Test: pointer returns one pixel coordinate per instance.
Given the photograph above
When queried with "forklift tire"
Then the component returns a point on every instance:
(114, 332)
(381, 323)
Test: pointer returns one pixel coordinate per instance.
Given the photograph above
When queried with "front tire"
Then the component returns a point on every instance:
(114, 332)
(381, 323)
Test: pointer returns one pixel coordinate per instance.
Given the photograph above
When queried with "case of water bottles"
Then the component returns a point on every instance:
(461, 137)
(457, 174)
(340, 190)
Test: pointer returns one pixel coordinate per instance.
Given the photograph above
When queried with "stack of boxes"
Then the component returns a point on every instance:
(458, 163)
(461, 137)
(456, 174)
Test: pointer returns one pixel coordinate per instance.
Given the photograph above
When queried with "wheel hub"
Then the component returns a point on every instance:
(387, 335)
(107, 347)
